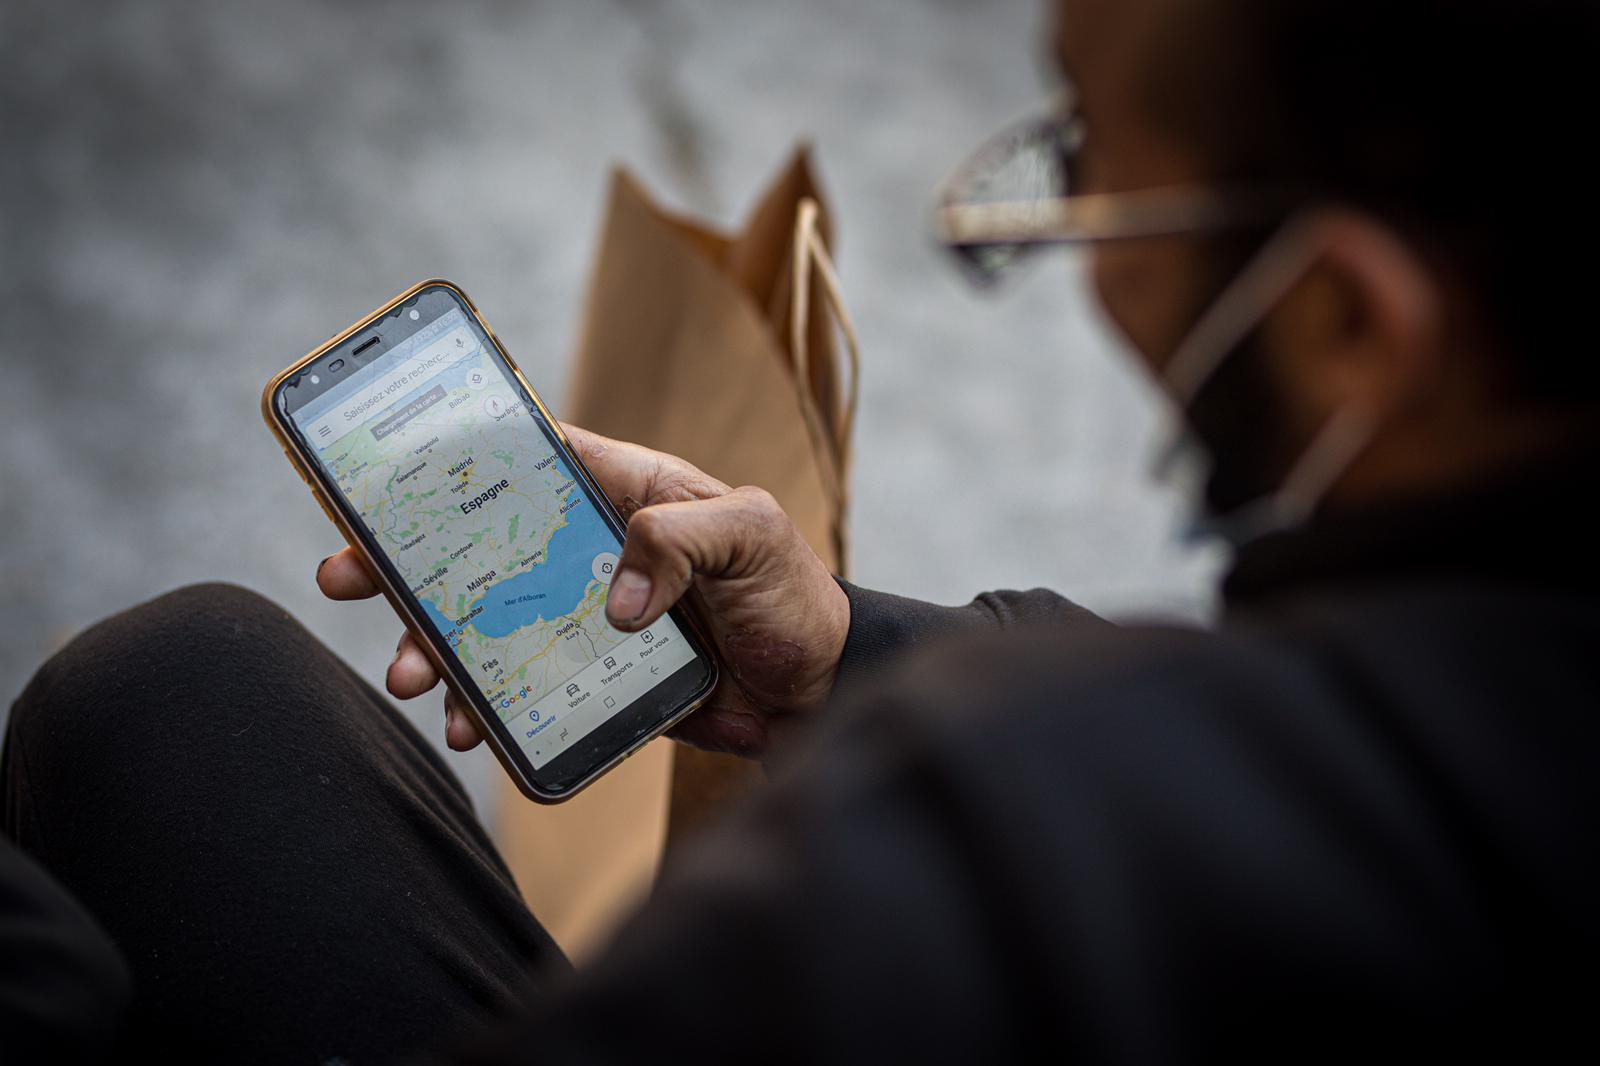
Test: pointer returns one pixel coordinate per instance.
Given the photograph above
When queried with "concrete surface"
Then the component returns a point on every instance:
(192, 195)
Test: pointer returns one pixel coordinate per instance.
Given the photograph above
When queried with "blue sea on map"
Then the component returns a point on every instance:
(549, 590)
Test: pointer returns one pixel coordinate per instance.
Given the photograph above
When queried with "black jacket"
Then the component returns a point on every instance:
(1357, 819)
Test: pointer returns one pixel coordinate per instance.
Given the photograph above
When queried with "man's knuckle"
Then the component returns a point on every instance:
(685, 483)
(762, 513)
(645, 527)
(757, 498)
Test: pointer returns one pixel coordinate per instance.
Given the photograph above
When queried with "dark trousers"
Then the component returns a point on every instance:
(291, 872)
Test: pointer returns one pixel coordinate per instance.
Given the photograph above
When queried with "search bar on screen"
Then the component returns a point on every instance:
(392, 385)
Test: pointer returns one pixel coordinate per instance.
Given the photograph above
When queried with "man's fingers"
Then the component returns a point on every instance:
(343, 576)
(669, 543)
(460, 732)
(622, 469)
(411, 674)
(632, 472)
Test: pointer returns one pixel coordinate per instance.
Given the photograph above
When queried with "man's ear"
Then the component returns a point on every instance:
(1364, 327)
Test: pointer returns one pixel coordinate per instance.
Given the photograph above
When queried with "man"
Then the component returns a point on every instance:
(1357, 818)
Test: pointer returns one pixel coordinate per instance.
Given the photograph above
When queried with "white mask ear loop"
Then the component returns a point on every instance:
(1265, 280)
(1314, 474)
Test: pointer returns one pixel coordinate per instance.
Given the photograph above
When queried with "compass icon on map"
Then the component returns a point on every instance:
(495, 406)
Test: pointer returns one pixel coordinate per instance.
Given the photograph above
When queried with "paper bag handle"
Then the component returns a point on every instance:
(833, 449)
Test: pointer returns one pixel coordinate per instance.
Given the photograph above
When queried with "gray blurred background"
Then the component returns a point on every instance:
(195, 194)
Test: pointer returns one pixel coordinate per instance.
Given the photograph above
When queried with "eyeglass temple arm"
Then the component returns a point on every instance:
(1102, 216)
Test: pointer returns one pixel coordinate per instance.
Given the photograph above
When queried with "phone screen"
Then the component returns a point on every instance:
(462, 485)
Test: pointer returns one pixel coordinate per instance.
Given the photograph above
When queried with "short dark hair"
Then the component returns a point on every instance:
(1459, 121)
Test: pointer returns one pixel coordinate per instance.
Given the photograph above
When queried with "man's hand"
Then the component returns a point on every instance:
(775, 614)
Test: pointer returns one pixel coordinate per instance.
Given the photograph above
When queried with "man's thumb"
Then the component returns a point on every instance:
(669, 543)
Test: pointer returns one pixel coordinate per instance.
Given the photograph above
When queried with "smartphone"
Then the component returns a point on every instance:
(426, 446)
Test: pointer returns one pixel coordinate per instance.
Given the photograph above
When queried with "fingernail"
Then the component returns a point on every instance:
(398, 648)
(629, 595)
(321, 565)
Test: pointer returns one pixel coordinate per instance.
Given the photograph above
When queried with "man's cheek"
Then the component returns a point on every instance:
(1131, 297)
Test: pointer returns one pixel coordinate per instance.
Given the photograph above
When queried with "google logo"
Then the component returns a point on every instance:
(516, 697)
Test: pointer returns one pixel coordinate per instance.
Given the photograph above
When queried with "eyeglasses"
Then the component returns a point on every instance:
(1014, 195)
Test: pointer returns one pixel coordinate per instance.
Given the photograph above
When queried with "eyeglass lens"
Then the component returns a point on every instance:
(1033, 161)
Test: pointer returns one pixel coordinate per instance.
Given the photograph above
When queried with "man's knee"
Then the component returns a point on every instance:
(153, 670)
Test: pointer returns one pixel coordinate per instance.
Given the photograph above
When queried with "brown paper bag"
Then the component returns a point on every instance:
(721, 349)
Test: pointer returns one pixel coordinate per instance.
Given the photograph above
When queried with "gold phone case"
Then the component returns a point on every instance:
(306, 466)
